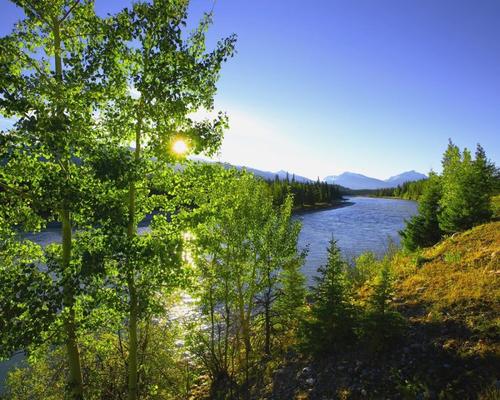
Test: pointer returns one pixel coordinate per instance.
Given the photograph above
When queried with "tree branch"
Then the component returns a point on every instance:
(69, 10)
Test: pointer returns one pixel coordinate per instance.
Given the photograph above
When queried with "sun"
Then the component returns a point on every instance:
(180, 146)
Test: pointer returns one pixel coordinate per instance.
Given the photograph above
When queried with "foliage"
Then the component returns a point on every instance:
(245, 250)
(164, 372)
(467, 189)
(408, 190)
(364, 269)
(495, 206)
(50, 84)
(80, 88)
(381, 323)
(290, 307)
(163, 77)
(455, 201)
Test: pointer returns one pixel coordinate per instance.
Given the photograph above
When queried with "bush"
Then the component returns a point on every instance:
(381, 324)
(364, 270)
(163, 374)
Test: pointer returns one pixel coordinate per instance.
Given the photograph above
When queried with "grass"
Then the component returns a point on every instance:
(495, 205)
(450, 294)
(463, 269)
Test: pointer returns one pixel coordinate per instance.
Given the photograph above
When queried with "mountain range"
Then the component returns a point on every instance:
(349, 180)
(355, 181)
(268, 175)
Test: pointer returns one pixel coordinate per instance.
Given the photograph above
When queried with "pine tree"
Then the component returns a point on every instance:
(467, 188)
(382, 290)
(452, 201)
(423, 229)
(381, 324)
(483, 172)
(332, 313)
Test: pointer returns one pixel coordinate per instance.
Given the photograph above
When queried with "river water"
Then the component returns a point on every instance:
(369, 224)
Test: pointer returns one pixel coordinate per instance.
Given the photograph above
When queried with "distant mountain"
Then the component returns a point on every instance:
(268, 175)
(408, 176)
(355, 181)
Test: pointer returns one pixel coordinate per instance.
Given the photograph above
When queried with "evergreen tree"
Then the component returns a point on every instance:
(383, 289)
(467, 188)
(423, 229)
(483, 176)
(332, 313)
(381, 324)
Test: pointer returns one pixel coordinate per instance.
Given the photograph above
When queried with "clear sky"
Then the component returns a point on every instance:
(377, 87)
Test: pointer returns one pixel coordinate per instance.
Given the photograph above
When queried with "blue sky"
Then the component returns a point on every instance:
(375, 87)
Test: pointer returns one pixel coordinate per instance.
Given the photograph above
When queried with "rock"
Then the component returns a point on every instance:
(363, 392)
(304, 373)
(446, 366)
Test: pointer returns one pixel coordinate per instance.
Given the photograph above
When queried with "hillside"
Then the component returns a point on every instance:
(449, 297)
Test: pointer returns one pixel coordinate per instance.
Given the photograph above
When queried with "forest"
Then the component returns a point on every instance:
(305, 195)
(408, 191)
(208, 301)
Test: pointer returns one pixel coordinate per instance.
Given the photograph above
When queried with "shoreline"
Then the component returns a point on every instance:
(382, 197)
(322, 207)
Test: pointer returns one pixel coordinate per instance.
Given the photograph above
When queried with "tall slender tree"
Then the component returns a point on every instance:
(332, 322)
(164, 78)
(423, 229)
(51, 86)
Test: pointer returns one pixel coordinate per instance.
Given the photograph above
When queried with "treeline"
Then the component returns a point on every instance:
(304, 194)
(408, 191)
(454, 201)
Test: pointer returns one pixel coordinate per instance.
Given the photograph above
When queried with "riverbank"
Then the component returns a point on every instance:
(322, 206)
(448, 348)
(390, 197)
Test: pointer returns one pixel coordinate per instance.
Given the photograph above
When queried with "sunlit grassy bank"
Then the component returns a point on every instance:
(449, 348)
